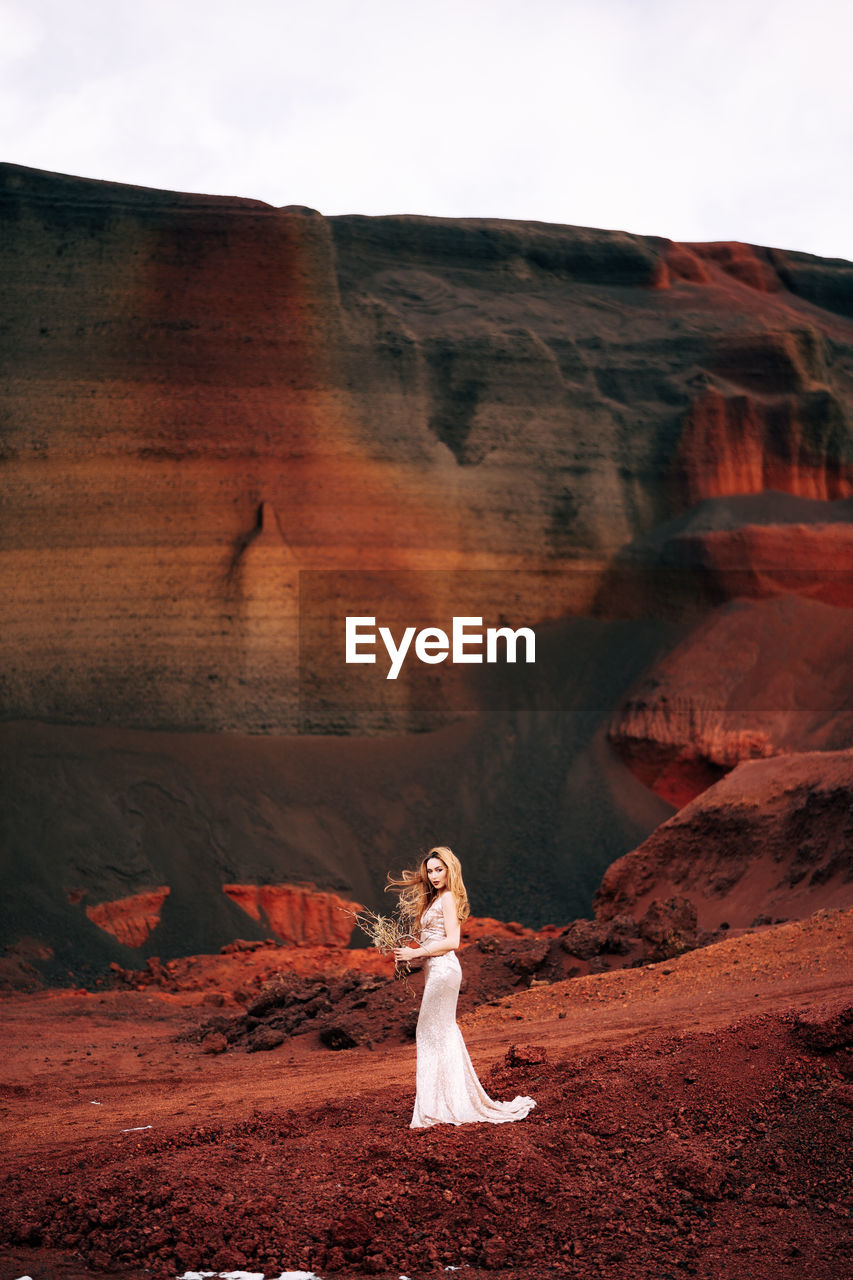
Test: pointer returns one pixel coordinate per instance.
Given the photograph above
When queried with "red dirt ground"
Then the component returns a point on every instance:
(693, 1118)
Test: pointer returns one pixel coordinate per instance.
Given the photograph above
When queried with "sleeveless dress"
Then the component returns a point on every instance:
(448, 1091)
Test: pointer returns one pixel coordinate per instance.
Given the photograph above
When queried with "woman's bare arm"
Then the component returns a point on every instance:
(452, 927)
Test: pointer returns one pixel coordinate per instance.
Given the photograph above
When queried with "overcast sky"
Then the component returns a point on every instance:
(694, 119)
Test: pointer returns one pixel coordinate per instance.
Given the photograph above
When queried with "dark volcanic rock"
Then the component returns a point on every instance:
(336, 1037)
(263, 1038)
(669, 927)
(587, 939)
(584, 939)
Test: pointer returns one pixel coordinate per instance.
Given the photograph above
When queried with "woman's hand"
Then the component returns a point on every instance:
(406, 953)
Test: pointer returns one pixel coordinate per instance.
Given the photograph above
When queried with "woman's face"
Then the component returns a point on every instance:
(437, 873)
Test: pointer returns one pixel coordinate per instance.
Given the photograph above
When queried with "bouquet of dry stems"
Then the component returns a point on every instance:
(387, 933)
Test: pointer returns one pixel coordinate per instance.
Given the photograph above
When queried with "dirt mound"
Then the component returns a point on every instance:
(246, 964)
(342, 1006)
(774, 834)
(243, 967)
(285, 994)
(365, 1009)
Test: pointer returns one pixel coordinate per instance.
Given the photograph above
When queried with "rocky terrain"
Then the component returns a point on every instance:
(770, 841)
(693, 1118)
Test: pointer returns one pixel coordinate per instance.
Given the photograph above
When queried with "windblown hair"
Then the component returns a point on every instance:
(416, 892)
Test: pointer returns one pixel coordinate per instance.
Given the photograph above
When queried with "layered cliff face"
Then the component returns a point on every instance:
(225, 427)
(220, 417)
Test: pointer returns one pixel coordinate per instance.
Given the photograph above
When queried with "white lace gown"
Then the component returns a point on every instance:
(448, 1091)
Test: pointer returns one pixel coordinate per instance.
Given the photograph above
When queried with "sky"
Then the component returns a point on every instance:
(692, 119)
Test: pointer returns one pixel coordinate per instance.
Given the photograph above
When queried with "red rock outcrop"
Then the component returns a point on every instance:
(130, 920)
(297, 913)
(773, 840)
(747, 443)
(747, 263)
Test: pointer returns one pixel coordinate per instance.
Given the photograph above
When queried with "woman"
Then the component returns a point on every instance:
(433, 903)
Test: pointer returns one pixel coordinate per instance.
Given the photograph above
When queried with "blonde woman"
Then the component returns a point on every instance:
(433, 903)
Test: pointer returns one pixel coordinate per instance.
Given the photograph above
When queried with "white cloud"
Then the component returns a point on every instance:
(725, 120)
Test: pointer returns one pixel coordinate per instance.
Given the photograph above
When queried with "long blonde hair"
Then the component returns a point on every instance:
(417, 893)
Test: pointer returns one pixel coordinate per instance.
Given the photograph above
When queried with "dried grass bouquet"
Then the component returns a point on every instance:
(386, 934)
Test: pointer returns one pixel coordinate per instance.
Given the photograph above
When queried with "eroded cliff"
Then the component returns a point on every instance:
(219, 417)
(226, 426)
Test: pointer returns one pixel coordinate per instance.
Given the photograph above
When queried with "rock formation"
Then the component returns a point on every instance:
(223, 417)
(130, 920)
(225, 427)
(757, 678)
(92, 815)
(297, 913)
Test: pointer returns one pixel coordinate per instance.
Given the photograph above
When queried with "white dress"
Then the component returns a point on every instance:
(448, 1091)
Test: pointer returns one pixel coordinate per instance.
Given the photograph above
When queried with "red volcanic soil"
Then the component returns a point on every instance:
(693, 1118)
